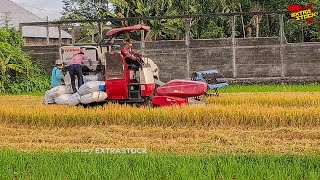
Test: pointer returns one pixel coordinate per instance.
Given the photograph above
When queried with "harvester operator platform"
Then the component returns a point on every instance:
(131, 56)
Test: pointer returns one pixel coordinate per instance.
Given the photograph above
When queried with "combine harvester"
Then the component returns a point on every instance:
(125, 82)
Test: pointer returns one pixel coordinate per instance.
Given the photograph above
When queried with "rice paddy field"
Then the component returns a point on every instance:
(252, 132)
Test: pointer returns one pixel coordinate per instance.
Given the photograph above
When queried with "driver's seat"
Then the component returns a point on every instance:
(132, 64)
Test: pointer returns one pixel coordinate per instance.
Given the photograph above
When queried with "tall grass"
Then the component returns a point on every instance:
(213, 115)
(300, 100)
(258, 110)
(161, 166)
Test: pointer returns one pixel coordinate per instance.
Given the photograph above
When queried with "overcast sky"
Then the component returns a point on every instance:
(42, 8)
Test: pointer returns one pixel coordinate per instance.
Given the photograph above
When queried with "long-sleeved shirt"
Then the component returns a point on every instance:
(56, 77)
(78, 58)
(128, 52)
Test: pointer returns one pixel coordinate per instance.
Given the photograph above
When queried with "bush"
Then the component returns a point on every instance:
(31, 84)
(18, 74)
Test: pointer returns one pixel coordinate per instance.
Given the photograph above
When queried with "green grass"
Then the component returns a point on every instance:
(270, 88)
(46, 165)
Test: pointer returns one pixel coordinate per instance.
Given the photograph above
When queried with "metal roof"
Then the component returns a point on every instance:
(9, 6)
(41, 32)
(17, 14)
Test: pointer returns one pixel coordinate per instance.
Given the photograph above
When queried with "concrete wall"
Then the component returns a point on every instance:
(45, 55)
(249, 58)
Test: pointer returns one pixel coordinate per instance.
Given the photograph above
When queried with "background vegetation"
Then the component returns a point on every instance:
(18, 74)
(201, 28)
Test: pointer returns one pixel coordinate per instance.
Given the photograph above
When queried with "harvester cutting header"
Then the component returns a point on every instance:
(125, 76)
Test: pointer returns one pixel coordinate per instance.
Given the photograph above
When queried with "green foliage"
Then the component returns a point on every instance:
(15, 38)
(11, 36)
(4, 36)
(30, 85)
(235, 88)
(84, 9)
(17, 72)
(213, 31)
(217, 27)
(57, 165)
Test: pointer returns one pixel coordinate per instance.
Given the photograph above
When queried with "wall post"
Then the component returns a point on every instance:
(282, 45)
(60, 37)
(187, 43)
(142, 41)
(73, 36)
(233, 36)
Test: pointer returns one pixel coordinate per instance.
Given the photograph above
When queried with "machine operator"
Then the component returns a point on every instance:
(131, 56)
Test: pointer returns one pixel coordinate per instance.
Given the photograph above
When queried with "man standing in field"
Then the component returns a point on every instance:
(75, 68)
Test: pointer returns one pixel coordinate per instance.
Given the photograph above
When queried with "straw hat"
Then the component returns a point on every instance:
(59, 62)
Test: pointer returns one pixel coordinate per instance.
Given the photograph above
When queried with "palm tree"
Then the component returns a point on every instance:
(160, 29)
(174, 28)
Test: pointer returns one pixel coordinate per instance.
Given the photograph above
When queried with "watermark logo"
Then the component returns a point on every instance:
(108, 151)
(299, 12)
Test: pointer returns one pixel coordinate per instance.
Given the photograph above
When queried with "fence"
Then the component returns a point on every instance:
(237, 55)
(204, 26)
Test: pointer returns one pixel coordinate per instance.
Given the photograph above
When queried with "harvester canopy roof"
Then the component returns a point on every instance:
(118, 31)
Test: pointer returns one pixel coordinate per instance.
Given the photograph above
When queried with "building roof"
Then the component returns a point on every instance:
(41, 32)
(16, 14)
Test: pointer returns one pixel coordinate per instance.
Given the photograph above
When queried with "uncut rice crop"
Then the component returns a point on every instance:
(260, 109)
(268, 99)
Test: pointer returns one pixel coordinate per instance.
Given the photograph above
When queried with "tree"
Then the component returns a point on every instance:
(7, 68)
(84, 9)
(17, 72)
(160, 29)
(215, 27)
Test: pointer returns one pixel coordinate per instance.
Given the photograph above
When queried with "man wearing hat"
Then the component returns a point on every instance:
(129, 54)
(75, 68)
(57, 75)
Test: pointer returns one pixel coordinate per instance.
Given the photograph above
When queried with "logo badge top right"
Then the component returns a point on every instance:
(300, 12)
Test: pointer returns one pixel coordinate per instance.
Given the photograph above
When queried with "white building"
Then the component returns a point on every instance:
(32, 35)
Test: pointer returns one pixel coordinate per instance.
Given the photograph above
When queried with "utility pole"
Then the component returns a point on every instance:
(100, 24)
(6, 20)
(242, 21)
(60, 37)
(187, 23)
(47, 28)
(233, 36)
(142, 42)
(282, 46)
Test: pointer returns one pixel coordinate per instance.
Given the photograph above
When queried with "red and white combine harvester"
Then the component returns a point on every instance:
(127, 82)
